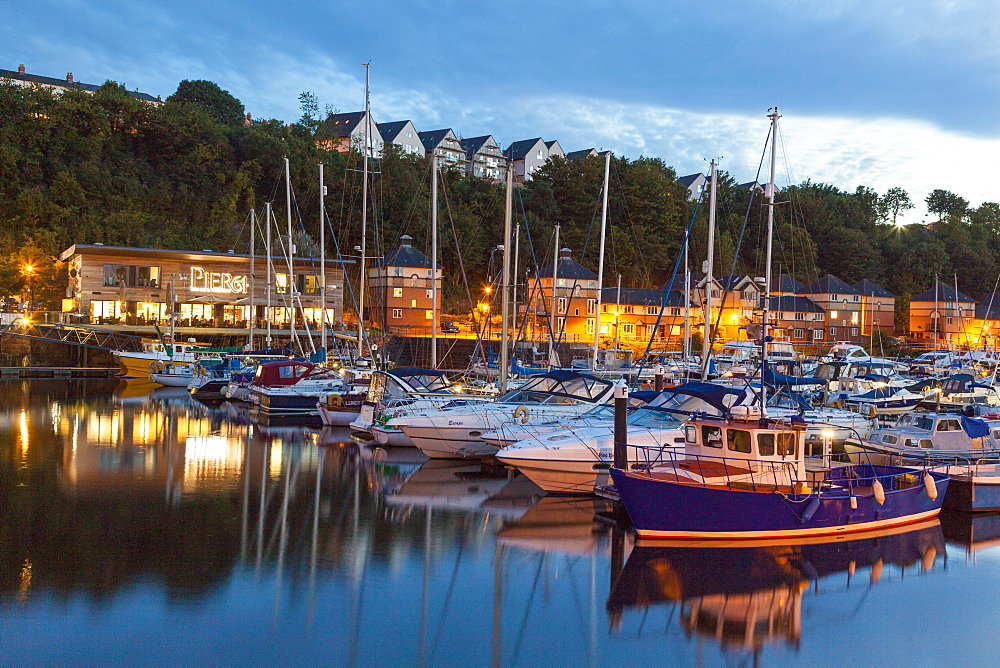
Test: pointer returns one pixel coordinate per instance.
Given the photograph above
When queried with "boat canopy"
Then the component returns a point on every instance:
(776, 378)
(421, 380)
(975, 427)
(282, 372)
(563, 384)
(712, 394)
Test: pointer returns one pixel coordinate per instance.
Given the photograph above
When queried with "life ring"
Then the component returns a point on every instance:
(522, 413)
(334, 400)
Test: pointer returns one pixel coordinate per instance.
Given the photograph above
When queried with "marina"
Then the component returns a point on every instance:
(137, 510)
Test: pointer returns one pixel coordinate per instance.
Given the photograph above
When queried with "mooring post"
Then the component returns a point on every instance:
(621, 426)
(658, 379)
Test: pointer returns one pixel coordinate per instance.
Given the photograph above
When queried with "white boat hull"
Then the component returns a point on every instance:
(391, 437)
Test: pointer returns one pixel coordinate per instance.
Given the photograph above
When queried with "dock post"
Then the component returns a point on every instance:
(658, 379)
(621, 426)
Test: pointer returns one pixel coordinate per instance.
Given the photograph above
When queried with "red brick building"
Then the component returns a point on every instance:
(400, 286)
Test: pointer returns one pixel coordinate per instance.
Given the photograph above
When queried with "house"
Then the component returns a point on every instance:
(446, 146)
(583, 154)
(785, 285)
(575, 295)
(842, 304)
(986, 322)
(350, 132)
(695, 183)
(22, 78)
(941, 315)
(528, 155)
(403, 135)
(400, 285)
(796, 318)
(633, 314)
(484, 158)
(878, 308)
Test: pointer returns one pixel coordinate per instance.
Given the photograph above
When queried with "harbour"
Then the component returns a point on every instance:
(139, 522)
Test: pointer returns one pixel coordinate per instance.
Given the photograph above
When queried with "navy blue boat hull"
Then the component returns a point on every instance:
(664, 509)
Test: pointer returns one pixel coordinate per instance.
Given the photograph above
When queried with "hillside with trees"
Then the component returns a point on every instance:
(104, 167)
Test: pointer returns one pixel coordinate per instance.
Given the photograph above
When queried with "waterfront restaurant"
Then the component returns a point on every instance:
(111, 285)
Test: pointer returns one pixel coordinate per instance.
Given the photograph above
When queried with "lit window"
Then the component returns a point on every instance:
(397, 292)
(833, 315)
(428, 314)
(413, 303)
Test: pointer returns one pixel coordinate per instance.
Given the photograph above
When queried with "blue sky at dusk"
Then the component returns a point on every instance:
(884, 94)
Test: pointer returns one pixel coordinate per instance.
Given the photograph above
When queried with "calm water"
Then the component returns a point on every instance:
(140, 527)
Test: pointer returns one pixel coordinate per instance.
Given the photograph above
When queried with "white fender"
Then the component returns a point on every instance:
(930, 486)
(879, 491)
(854, 503)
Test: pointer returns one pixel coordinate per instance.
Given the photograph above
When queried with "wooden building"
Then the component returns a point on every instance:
(132, 286)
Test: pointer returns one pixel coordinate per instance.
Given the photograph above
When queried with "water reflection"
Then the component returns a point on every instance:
(747, 597)
(211, 537)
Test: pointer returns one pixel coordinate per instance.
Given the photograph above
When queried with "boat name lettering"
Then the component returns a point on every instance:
(455, 422)
(216, 281)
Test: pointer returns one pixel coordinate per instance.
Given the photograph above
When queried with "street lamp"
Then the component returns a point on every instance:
(29, 271)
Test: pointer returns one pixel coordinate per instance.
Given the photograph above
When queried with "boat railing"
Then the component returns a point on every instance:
(757, 475)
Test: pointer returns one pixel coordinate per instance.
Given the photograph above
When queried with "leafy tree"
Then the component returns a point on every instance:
(894, 202)
(945, 204)
(219, 104)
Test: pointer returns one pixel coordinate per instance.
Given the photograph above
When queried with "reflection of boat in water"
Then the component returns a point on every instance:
(746, 597)
(973, 531)
(451, 484)
(389, 468)
(560, 524)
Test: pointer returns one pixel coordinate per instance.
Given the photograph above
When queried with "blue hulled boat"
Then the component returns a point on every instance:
(745, 477)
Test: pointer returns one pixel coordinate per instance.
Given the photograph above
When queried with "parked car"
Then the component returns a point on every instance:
(450, 328)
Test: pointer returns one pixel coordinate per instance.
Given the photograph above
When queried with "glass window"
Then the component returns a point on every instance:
(765, 444)
(786, 444)
(711, 436)
(948, 425)
(147, 277)
(738, 440)
(397, 292)
(281, 282)
(428, 314)
(397, 313)
(413, 303)
(311, 284)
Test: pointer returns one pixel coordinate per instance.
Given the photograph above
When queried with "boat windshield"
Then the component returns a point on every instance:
(649, 417)
(558, 389)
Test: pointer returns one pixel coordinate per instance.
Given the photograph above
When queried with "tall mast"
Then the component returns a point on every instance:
(514, 272)
(267, 289)
(600, 260)
(706, 339)
(766, 329)
(505, 301)
(364, 220)
(686, 346)
(937, 312)
(555, 281)
(253, 254)
(322, 260)
(618, 311)
(290, 284)
(434, 259)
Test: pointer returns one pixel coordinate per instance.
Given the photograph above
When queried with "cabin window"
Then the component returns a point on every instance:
(949, 425)
(765, 444)
(711, 436)
(286, 371)
(996, 434)
(691, 433)
(889, 438)
(786, 445)
(926, 443)
(923, 422)
(739, 440)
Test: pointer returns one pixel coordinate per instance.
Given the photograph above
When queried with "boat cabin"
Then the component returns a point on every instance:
(713, 445)
(949, 432)
(561, 387)
(282, 372)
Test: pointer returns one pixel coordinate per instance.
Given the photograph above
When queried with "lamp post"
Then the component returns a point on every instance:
(29, 271)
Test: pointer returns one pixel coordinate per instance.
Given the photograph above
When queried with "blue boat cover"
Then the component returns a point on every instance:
(710, 393)
(878, 393)
(975, 427)
(775, 378)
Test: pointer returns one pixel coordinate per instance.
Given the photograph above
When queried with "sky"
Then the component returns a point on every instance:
(891, 93)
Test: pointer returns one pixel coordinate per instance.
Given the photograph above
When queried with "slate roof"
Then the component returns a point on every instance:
(405, 256)
(869, 289)
(642, 297)
(686, 181)
(585, 153)
(989, 307)
(797, 304)
(390, 131)
(63, 83)
(730, 282)
(786, 283)
(342, 125)
(827, 285)
(946, 293)
(568, 268)
(519, 149)
(474, 144)
(433, 138)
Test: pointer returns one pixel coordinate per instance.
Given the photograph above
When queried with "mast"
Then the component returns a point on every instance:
(434, 258)
(957, 310)
(364, 221)
(706, 339)
(253, 255)
(618, 311)
(686, 345)
(505, 301)
(555, 276)
(322, 260)
(514, 271)
(290, 285)
(765, 330)
(937, 312)
(267, 215)
(600, 261)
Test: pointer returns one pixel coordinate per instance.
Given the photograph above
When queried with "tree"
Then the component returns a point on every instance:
(219, 104)
(894, 202)
(946, 204)
(309, 104)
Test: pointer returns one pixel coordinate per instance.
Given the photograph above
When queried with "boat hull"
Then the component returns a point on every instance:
(171, 379)
(973, 493)
(562, 477)
(391, 437)
(675, 510)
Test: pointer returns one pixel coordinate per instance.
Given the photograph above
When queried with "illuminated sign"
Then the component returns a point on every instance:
(216, 281)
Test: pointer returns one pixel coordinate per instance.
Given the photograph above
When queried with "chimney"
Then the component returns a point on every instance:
(20, 68)
(406, 240)
(565, 254)
(69, 77)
